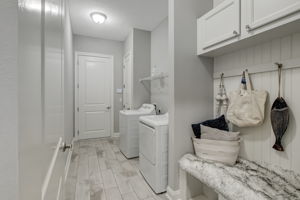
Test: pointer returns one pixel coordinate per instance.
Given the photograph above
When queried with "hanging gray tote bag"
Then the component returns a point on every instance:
(247, 106)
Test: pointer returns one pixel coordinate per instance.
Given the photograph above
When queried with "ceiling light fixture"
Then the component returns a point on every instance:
(98, 18)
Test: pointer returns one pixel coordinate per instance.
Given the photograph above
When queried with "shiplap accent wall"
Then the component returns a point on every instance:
(258, 141)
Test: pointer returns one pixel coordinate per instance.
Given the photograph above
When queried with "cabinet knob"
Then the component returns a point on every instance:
(248, 28)
(235, 33)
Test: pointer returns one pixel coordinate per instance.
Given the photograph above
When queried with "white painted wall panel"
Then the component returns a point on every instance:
(8, 100)
(190, 81)
(138, 44)
(159, 64)
(141, 67)
(68, 77)
(258, 141)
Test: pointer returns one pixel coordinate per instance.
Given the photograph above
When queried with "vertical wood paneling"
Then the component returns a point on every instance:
(296, 45)
(275, 50)
(258, 141)
(266, 52)
(294, 130)
(286, 48)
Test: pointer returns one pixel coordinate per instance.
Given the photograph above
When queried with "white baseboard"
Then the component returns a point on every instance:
(115, 135)
(68, 162)
(173, 194)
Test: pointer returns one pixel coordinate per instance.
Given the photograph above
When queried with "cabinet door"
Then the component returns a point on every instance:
(218, 25)
(261, 13)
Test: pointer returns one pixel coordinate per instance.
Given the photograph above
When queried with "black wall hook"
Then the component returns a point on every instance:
(279, 65)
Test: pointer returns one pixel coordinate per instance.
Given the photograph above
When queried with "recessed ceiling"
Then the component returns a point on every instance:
(122, 16)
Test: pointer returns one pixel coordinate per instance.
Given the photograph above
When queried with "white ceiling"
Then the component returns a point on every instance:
(123, 15)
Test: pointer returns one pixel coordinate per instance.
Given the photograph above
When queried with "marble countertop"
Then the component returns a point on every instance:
(246, 180)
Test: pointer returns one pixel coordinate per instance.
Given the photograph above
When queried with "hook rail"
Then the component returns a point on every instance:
(264, 68)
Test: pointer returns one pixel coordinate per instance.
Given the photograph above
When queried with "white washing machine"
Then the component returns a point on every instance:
(153, 160)
(129, 129)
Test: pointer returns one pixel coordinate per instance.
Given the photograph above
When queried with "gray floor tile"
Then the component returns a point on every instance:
(99, 171)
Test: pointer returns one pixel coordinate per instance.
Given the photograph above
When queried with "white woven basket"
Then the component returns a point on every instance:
(225, 152)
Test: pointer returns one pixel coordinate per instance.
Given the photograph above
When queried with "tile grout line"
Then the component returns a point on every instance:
(104, 190)
(114, 174)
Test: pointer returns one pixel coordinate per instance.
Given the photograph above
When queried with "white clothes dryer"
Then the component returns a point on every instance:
(153, 160)
(129, 129)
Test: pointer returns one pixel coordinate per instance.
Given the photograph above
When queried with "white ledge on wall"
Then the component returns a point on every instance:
(155, 77)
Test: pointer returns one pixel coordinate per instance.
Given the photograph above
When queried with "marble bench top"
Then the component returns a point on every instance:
(244, 181)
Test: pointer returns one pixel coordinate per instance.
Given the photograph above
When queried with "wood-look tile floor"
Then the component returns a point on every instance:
(99, 171)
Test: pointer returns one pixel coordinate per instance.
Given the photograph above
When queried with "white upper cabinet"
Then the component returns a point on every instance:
(269, 14)
(219, 25)
(232, 24)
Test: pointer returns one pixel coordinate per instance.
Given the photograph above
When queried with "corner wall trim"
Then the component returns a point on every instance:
(173, 194)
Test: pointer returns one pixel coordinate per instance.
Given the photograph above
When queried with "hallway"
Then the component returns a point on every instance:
(99, 171)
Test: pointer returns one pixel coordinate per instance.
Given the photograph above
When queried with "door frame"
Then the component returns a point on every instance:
(76, 82)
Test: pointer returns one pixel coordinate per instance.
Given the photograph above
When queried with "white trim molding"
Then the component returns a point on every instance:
(173, 194)
(51, 169)
(69, 159)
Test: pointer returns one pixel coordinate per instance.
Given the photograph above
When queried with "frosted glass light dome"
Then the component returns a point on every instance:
(98, 18)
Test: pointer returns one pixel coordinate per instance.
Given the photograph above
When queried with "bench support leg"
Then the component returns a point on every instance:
(184, 191)
(191, 187)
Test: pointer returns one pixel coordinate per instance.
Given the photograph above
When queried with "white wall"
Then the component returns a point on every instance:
(258, 141)
(8, 100)
(115, 48)
(217, 2)
(141, 67)
(68, 77)
(159, 63)
(128, 43)
(138, 43)
(191, 82)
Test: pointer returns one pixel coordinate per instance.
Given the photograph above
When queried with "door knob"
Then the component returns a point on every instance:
(65, 146)
(108, 107)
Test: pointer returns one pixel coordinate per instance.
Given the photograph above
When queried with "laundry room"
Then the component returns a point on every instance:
(131, 145)
(149, 99)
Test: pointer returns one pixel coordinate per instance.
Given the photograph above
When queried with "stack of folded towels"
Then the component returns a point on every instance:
(214, 142)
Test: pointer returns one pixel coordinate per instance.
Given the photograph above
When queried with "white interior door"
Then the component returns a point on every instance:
(41, 161)
(95, 76)
(53, 102)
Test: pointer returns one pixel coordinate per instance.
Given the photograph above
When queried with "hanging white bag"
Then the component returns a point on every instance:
(247, 106)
